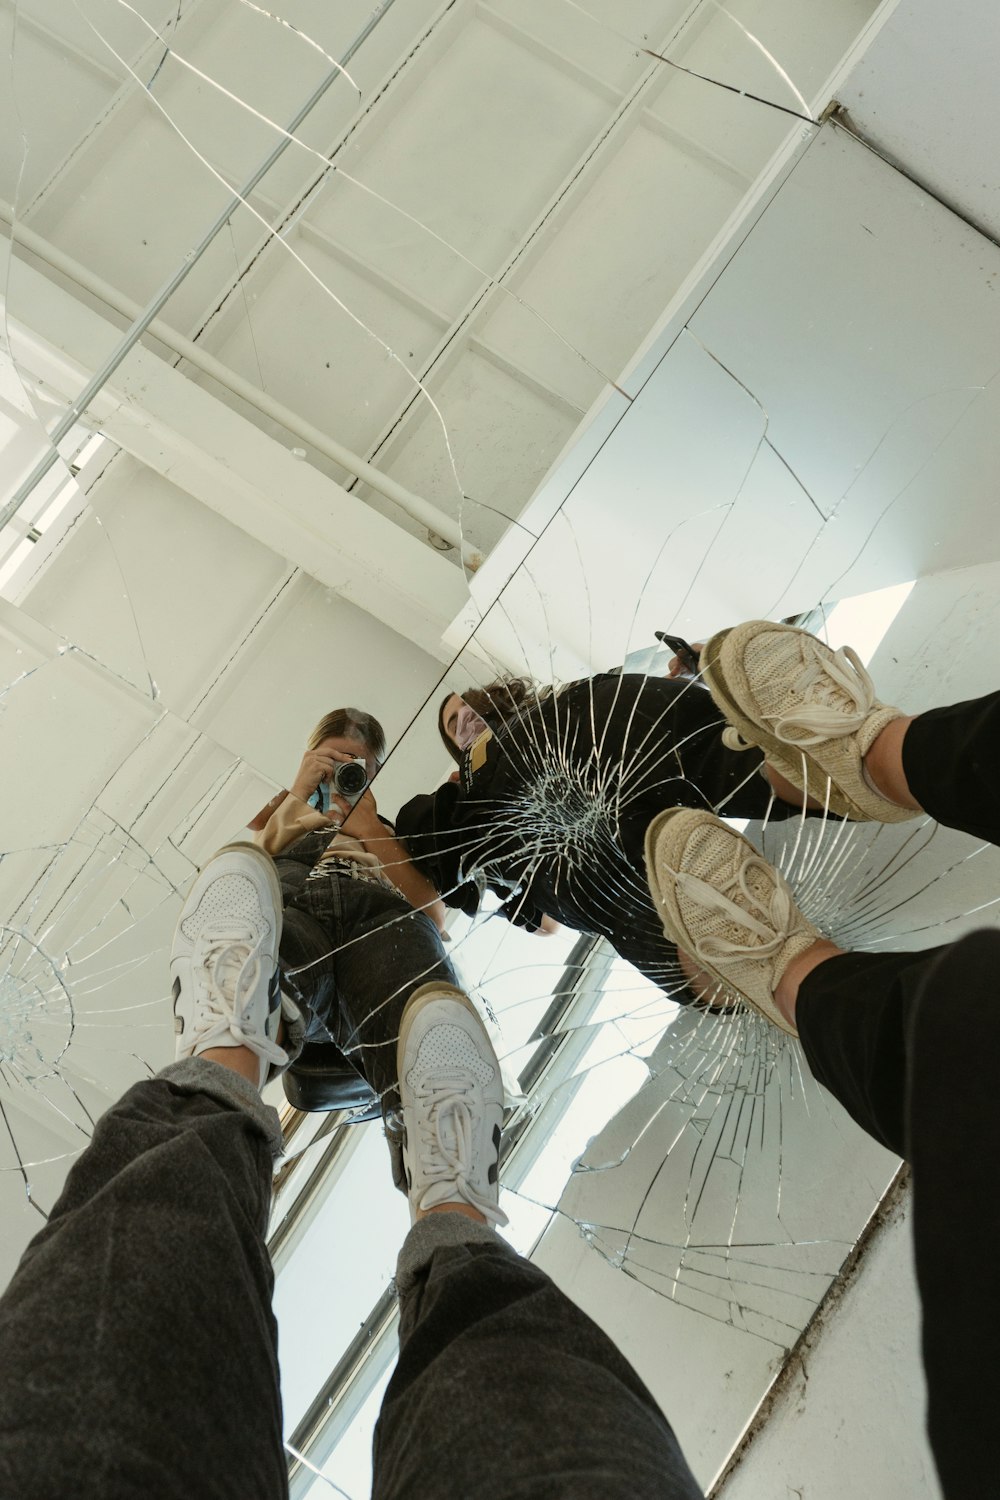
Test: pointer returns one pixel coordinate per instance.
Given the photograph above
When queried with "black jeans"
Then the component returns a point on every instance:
(140, 1348)
(910, 1045)
(352, 953)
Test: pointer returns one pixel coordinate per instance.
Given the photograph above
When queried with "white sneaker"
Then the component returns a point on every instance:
(452, 1096)
(224, 961)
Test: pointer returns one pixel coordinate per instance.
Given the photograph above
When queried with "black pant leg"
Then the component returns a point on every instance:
(910, 1045)
(954, 1142)
(380, 950)
(950, 759)
(139, 1346)
(852, 1016)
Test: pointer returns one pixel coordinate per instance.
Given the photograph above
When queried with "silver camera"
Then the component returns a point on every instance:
(348, 780)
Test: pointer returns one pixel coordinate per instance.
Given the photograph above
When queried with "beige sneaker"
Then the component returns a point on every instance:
(813, 712)
(722, 902)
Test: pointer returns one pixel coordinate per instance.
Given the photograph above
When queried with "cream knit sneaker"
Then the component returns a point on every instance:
(813, 712)
(723, 903)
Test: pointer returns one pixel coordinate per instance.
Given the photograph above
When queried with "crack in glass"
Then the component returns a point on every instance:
(655, 1119)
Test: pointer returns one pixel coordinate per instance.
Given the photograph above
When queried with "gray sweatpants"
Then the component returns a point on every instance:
(139, 1350)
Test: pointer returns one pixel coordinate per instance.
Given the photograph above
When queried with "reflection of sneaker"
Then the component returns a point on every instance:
(452, 1096)
(725, 904)
(224, 960)
(813, 712)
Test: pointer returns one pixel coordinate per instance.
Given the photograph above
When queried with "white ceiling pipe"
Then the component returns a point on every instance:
(416, 506)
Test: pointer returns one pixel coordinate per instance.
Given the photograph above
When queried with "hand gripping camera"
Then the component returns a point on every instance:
(349, 779)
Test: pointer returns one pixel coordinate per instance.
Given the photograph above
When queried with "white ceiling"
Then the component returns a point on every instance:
(471, 246)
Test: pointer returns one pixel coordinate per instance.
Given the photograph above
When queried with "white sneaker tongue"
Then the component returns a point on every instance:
(453, 1127)
(226, 958)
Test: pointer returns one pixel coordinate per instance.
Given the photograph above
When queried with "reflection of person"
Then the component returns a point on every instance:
(908, 1042)
(142, 1356)
(556, 790)
(361, 929)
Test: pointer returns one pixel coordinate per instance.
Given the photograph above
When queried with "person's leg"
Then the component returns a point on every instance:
(947, 760)
(375, 952)
(910, 1045)
(139, 1344)
(814, 713)
(812, 707)
(503, 1386)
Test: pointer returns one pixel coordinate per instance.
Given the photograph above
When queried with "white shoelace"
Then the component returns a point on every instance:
(778, 916)
(838, 696)
(230, 968)
(446, 1128)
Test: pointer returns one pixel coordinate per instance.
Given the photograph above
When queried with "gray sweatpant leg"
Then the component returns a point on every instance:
(139, 1347)
(138, 1344)
(505, 1388)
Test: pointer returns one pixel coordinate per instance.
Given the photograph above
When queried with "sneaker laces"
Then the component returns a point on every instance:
(230, 968)
(838, 694)
(778, 915)
(733, 740)
(446, 1130)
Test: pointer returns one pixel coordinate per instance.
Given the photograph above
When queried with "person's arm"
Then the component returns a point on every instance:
(363, 823)
(676, 668)
(261, 819)
(316, 767)
(289, 815)
(548, 926)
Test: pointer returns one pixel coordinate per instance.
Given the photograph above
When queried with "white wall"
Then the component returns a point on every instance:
(848, 1416)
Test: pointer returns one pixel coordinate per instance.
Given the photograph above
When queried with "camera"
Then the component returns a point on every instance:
(349, 779)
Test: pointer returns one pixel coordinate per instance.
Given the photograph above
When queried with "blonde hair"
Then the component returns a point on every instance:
(352, 724)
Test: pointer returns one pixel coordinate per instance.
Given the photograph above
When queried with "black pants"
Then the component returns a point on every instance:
(910, 1045)
(352, 953)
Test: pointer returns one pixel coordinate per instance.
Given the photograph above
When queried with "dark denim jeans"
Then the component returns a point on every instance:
(140, 1347)
(352, 953)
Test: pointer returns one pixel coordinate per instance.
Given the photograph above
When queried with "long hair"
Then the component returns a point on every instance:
(353, 724)
(496, 704)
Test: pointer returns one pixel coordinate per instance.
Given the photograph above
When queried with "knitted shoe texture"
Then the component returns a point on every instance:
(723, 903)
(812, 710)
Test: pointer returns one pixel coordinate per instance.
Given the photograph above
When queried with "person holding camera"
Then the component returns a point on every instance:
(362, 926)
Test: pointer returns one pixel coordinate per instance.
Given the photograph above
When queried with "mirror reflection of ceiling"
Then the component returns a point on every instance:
(474, 336)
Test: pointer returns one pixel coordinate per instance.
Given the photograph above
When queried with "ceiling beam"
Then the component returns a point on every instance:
(194, 440)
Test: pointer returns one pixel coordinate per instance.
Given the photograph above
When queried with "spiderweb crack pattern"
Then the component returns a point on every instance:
(680, 1143)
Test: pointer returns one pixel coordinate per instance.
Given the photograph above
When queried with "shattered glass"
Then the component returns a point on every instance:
(508, 436)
